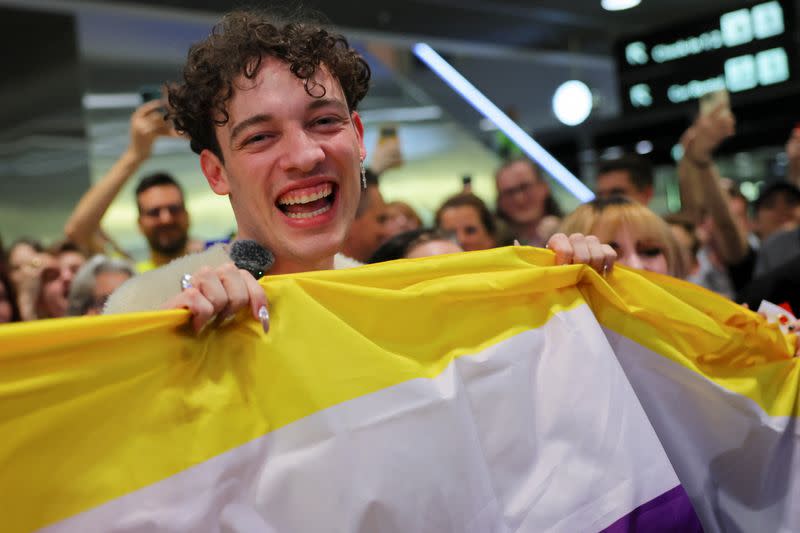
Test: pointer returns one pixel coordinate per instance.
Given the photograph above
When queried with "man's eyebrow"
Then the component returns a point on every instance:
(255, 119)
(325, 102)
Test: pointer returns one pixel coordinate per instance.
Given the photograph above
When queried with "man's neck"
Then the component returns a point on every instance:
(293, 267)
(160, 259)
(527, 232)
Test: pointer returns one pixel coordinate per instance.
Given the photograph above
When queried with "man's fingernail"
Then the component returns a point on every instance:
(263, 316)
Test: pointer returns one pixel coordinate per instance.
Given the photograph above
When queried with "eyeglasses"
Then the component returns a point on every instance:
(155, 212)
(524, 188)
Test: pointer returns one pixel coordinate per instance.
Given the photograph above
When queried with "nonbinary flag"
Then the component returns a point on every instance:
(483, 392)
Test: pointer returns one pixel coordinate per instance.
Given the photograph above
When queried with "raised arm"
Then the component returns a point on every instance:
(147, 124)
(701, 189)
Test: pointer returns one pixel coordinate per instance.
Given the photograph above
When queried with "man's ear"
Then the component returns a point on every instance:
(648, 193)
(214, 171)
(360, 134)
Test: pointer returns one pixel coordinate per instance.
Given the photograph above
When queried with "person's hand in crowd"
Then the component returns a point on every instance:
(219, 293)
(707, 133)
(148, 124)
(386, 155)
(29, 286)
(582, 249)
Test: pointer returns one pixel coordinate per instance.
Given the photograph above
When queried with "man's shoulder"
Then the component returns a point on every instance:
(150, 290)
(782, 238)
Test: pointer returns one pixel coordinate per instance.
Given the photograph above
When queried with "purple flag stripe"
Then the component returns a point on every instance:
(670, 512)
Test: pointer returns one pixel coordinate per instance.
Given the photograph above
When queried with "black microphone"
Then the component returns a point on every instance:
(251, 256)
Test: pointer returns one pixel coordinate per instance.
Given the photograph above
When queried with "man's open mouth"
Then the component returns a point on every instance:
(307, 202)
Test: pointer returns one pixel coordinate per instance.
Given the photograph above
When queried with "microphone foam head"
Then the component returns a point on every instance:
(251, 256)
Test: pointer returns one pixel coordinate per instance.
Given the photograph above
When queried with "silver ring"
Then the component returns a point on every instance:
(186, 282)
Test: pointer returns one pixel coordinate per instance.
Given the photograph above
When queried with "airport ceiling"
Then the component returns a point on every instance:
(566, 25)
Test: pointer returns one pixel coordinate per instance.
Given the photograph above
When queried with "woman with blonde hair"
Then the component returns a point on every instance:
(640, 237)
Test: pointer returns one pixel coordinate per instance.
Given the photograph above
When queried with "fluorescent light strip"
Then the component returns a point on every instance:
(485, 106)
(402, 114)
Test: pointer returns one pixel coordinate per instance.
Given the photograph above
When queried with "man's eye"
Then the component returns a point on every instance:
(255, 138)
(328, 121)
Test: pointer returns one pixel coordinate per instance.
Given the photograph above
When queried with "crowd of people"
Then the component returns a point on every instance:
(747, 251)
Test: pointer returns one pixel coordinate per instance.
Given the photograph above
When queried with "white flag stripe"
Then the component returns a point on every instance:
(540, 432)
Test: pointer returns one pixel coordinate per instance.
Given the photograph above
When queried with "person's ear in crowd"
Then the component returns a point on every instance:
(400, 217)
(630, 176)
(524, 199)
(416, 243)
(94, 282)
(467, 216)
(640, 237)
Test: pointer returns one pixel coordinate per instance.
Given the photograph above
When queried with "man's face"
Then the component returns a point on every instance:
(779, 212)
(619, 183)
(521, 194)
(369, 230)
(163, 219)
(291, 165)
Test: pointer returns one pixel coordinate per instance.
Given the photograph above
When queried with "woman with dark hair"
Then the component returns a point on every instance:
(466, 216)
(415, 243)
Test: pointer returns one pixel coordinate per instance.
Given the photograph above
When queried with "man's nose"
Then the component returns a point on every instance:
(302, 152)
(165, 216)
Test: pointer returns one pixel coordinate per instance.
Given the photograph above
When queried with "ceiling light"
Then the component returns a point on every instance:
(572, 102)
(619, 5)
(488, 109)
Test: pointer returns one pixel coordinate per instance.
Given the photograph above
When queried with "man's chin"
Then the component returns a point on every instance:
(169, 249)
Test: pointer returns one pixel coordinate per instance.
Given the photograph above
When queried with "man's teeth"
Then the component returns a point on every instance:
(307, 198)
(309, 215)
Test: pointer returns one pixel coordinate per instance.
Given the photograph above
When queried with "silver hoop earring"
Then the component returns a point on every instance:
(363, 176)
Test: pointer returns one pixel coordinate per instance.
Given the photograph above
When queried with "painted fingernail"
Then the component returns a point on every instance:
(516, 243)
(263, 316)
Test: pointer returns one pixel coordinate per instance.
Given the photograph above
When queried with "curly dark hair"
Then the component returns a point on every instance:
(236, 47)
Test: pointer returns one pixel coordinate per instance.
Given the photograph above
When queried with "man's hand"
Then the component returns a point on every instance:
(147, 124)
(707, 133)
(221, 292)
(582, 249)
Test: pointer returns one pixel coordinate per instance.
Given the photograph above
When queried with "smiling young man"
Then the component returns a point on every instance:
(271, 109)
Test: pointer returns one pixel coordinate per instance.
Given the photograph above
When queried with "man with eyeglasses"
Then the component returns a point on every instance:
(163, 219)
(524, 202)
